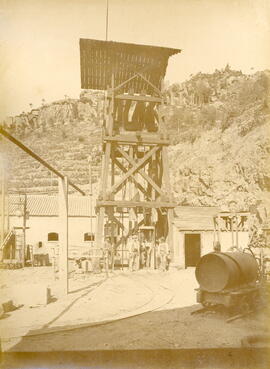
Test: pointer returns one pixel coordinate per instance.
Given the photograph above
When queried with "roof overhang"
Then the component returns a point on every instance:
(102, 59)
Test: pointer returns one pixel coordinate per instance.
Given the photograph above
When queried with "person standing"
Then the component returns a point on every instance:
(130, 253)
(142, 254)
(148, 251)
(107, 252)
(133, 252)
(163, 253)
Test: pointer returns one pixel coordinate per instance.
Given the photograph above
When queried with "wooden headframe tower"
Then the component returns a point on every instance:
(135, 170)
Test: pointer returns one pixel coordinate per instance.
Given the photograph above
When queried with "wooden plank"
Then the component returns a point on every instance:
(139, 186)
(146, 98)
(115, 220)
(137, 165)
(130, 184)
(125, 82)
(150, 83)
(105, 172)
(111, 110)
(138, 139)
(133, 204)
(142, 173)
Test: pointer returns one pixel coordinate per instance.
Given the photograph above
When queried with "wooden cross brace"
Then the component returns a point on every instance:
(137, 167)
(139, 186)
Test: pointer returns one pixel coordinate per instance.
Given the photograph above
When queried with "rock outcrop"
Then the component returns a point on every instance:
(219, 127)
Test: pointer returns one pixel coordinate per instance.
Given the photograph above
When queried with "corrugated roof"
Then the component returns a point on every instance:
(195, 218)
(99, 59)
(185, 217)
(45, 205)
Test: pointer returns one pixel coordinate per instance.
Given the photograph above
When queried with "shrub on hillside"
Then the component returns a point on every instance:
(208, 116)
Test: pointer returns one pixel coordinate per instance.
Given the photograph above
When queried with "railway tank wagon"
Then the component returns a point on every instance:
(229, 279)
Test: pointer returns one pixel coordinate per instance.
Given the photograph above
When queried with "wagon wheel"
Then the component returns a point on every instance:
(244, 304)
(207, 304)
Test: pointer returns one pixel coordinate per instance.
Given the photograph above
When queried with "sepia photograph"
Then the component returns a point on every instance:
(134, 184)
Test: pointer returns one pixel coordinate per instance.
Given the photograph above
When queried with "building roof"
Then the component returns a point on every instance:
(100, 59)
(185, 217)
(197, 218)
(46, 205)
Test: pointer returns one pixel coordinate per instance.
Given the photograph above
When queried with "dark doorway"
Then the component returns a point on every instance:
(192, 249)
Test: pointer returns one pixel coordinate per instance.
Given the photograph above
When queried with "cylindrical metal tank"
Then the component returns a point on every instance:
(223, 270)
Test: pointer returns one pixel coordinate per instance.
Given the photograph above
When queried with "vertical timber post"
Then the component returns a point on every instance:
(63, 234)
(105, 171)
(24, 229)
(3, 189)
(219, 230)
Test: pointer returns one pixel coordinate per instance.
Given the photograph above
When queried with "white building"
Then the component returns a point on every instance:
(193, 227)
(43, 223)
(194, 233)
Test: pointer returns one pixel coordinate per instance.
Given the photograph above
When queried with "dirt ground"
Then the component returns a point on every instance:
(167, 329)
(171, 326)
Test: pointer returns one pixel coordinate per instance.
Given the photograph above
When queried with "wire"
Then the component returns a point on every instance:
(107, 18)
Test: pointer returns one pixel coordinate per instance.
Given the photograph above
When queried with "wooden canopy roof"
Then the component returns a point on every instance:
(100, 59)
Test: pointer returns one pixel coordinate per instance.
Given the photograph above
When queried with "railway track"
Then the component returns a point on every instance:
(158, 293)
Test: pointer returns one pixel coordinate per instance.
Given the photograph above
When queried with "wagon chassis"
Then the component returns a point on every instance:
(242, 301)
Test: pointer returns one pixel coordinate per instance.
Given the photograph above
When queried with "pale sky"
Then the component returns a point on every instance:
(40, 40)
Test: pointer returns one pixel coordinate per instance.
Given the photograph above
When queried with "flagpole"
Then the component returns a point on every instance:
(107, 18)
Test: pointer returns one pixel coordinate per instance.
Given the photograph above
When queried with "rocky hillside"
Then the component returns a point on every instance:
(221, 151)
(64, 133)
(219, 125)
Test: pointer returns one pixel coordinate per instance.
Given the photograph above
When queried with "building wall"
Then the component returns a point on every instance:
(39, 227)
(207, 240)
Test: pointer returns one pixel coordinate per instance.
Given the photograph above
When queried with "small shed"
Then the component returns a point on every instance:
(194, 234)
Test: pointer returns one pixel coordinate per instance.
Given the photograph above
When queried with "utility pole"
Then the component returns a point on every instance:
(3, 189)
(22, 212)
(91, 194)
(63, 225)
(24, 228)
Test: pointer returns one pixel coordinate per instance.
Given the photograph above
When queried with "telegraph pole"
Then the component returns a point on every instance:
(3, 190)
(91, 194)
(24, 227)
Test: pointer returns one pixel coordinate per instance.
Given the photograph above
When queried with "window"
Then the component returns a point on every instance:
(52, 236)
(88, 236)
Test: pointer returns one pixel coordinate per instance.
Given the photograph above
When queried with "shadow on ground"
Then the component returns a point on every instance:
(140, 359)
(157, 330)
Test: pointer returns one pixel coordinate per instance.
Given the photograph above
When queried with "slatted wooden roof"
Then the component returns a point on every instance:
(99, 59)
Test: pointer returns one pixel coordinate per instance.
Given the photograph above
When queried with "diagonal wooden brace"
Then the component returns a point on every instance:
(136, 167)
(142, 173)
(139, 186)
(115, 220)
(130, 232)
